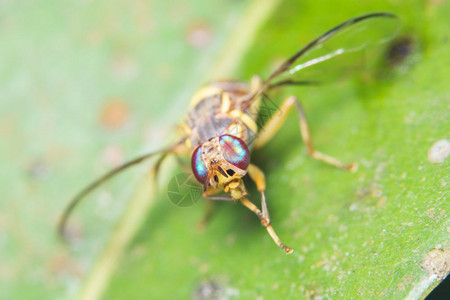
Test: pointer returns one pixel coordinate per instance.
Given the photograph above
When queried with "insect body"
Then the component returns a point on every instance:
(220, 128)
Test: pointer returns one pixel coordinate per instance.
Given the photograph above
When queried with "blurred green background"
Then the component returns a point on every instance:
(86, 85)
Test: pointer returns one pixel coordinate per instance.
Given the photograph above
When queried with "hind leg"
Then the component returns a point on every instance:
(277, 120)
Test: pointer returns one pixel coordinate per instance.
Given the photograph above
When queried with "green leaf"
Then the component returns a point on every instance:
(355, 235)
(362, 235)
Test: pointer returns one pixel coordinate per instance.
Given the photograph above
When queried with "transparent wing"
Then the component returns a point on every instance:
(346, 47)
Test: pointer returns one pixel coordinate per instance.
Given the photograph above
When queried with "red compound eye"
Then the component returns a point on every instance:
(235, 151)
(198, 166)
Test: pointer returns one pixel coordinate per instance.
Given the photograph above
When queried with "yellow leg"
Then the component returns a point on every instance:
(274, 124)
(266, 224)
(257, 176)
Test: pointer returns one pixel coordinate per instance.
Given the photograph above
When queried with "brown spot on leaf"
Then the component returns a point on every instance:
(437, 262)
(62, 264)
(114, 114)
(199, 35)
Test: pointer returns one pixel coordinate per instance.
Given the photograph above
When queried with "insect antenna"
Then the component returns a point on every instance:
(96, 183)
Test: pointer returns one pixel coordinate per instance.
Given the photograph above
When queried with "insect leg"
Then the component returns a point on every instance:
(258, 177)
(155, 168)
(93, 185)
(274, 124)
(179, 150)
(266, 224)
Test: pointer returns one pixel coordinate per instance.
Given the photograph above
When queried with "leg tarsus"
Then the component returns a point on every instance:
(266, 223)
(274, 124)
(157, 165)
(352, 167)
(306, 136)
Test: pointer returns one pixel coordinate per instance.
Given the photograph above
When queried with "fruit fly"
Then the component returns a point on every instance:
(221, 129)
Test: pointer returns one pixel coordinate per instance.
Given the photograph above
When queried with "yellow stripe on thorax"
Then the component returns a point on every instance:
(226, 103)
(203, 93)
(246, 119)
(211, 91)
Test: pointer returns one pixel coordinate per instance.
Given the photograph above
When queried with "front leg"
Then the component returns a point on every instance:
(258, 177)
(266, 224)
